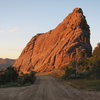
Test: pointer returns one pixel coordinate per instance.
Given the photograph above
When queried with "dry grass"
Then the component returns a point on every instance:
(85, 84)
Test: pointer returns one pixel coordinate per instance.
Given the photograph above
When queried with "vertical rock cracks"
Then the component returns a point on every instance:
(57, 47)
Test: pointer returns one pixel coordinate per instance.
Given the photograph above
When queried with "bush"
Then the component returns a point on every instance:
(27, 78)
(70, 73)
(96, 51)
(9, 75)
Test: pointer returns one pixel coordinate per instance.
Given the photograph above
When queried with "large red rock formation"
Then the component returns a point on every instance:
(57, 47)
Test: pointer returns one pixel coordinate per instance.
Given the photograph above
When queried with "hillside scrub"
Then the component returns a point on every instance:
(86, 68)
(10, 77)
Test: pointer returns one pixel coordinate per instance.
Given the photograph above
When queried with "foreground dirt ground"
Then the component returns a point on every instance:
(47, 88)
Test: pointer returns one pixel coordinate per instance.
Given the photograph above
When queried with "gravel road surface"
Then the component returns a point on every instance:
(47, 88)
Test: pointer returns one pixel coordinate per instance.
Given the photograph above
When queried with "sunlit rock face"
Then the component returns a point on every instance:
(57, 47)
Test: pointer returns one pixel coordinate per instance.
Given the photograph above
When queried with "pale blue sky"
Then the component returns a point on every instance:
(20, 20)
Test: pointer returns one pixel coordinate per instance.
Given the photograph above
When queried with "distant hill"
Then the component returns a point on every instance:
(4, 63)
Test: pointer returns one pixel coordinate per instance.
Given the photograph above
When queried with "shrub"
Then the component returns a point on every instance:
(96, 51)
(70, 73)
(9, 75)
(27, 78)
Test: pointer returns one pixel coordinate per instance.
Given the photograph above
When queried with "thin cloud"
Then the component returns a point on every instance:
(13, 30)
(2, 31)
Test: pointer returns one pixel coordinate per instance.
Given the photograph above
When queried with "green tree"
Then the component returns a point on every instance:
(9, 75)
(97, 50)
(70, 73)
(27, 78)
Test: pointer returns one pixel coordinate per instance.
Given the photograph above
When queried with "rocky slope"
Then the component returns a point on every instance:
(57, 47)
(4, 63)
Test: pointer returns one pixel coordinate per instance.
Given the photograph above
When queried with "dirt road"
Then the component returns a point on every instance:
(47, 88)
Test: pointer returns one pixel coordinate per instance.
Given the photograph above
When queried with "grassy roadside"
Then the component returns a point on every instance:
(85, 84)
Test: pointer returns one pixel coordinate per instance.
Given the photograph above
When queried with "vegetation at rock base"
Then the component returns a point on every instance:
(27, 78)
(87, 69)
(10, 77)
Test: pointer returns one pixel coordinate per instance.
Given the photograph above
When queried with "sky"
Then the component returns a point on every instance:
(20, 20)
